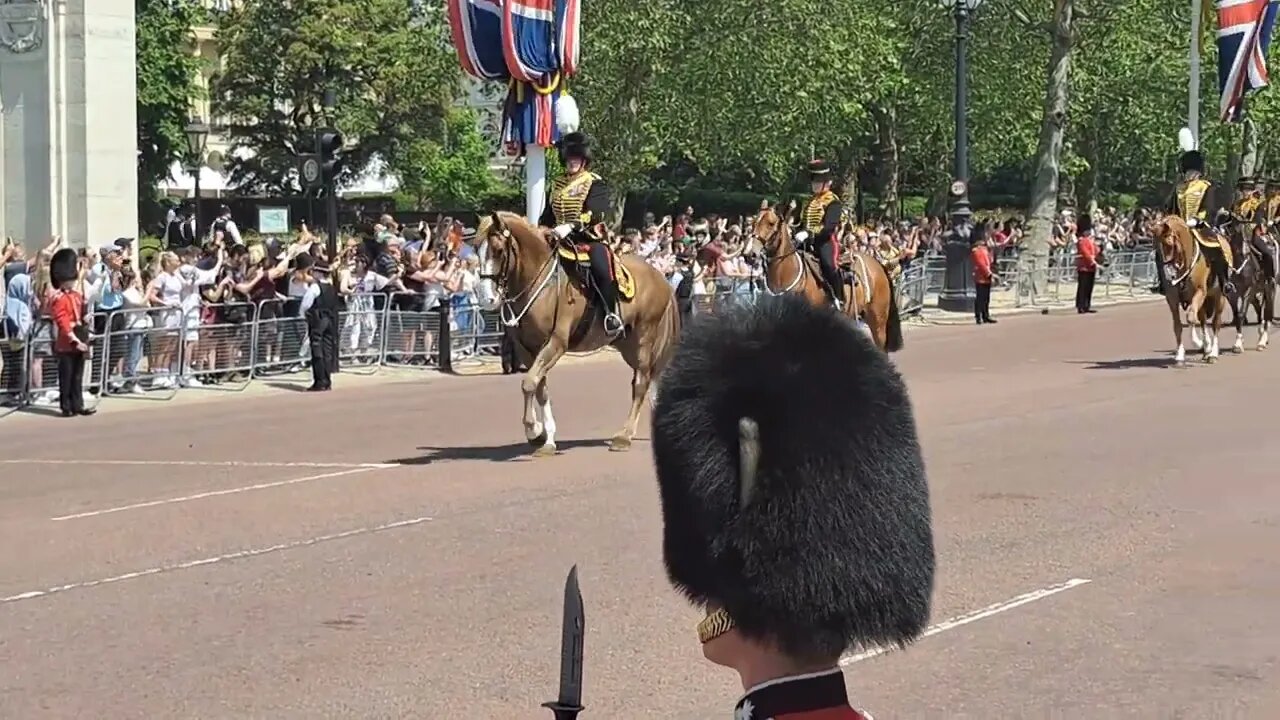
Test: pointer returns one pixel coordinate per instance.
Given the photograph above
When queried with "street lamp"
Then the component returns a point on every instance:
(197, 135)
(955, 295)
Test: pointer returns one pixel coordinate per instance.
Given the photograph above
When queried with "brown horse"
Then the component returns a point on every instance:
(550, 313)
(870, 299)
(1188, 264)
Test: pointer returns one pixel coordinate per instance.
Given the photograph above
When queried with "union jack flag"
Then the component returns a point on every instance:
(1245, 29)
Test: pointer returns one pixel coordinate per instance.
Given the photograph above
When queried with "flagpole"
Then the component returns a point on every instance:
(535, 181)
(1193, 89)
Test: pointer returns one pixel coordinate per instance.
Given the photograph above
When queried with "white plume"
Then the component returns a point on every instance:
(1186, 140)
(567, 118)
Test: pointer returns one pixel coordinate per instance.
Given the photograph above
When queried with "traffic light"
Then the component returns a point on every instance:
(329, 148)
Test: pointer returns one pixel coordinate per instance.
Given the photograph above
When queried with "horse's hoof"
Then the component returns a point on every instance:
(539, 441)
(1238, 350)
(619, 444)
(547, 450)
(1209, 359)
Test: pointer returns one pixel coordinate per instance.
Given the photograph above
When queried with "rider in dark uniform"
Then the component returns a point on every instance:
(577, 203)
(799, 534)
(821, 227)
(1190, 202)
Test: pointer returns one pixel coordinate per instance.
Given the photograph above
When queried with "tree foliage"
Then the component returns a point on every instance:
(166, 75)
(387, 60)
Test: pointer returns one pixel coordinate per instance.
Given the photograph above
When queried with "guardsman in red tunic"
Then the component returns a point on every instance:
(799, 534)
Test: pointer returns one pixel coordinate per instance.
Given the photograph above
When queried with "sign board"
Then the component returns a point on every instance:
(273, 220)
(310, 170)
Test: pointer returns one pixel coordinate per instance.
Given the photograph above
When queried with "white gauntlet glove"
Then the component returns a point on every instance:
(562, 231)
(1193, 222)
(802, 236)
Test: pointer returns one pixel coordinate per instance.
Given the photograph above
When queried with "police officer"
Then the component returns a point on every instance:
(577, 203)
(820, 221)
(320, 307)
(737, 468)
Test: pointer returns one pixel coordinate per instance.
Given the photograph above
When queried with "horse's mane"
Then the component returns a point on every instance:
(516, 223)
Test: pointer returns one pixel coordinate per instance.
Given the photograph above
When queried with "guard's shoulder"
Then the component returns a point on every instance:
(595, 178)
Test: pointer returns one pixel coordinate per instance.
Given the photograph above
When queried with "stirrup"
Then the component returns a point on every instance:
(612, 323)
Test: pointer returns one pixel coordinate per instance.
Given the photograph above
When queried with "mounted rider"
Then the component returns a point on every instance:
(576, 207)
(1189, 203)
(820, 222)
(1249, 216)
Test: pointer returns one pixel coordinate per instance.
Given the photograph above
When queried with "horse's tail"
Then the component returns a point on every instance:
(893, 329)
(668, 336)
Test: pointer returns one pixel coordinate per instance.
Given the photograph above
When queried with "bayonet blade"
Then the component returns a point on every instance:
(569, 703)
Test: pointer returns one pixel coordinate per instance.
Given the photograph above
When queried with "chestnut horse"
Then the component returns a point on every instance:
(872, 299)
(1190, 284)
(550, 314)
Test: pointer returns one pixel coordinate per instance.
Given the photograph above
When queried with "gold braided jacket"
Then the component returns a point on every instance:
(569, 195)
(816, 208)
(1191, 195)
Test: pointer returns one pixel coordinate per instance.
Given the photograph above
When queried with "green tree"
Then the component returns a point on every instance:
(389, 62)
(166, 75)
(452, 173)
(628, 92)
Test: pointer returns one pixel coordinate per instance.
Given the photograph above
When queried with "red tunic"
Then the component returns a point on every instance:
(818, 696)
(1087, 259)
(66, 309)
(981, 265)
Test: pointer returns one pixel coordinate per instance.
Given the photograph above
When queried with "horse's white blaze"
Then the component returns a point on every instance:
(487, 289)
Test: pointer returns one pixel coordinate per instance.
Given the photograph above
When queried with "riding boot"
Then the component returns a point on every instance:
(836, 280)
(609, 296)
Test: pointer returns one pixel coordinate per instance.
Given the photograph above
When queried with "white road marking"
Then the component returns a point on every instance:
(974, 616)
(239, 555)
(211, 493)
(200, 463)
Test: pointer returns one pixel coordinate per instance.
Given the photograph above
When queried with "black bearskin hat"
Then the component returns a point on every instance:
(1191, 160)
(64, 267)
(575, 145)
(793, 489)
(819, 170)
(1084, 224)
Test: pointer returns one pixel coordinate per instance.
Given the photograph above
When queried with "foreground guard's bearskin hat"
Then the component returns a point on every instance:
(1084, 224)
(793, 489)
(819, 169)
(575, 145)
(64, 267)
(1191, 160)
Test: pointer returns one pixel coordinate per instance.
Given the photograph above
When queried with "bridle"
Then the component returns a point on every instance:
(775, 240)
(509, 262)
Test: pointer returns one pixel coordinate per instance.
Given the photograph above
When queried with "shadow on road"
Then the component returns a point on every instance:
(492, 453)
(1127, 364)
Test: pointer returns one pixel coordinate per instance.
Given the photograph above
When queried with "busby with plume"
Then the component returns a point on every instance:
(64, 267)
(1191, 160)
(793, 488)
(575, 145)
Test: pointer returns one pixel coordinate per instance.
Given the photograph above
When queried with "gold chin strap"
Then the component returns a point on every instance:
(714, 625)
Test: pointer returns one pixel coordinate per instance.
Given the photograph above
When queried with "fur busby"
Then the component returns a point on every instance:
(1191, 161)
(64, 267)
(819, 169)
(1084, 225)
(575, 145)
(793, 489)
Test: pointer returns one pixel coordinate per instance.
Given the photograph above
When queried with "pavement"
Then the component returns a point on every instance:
(1106, 540)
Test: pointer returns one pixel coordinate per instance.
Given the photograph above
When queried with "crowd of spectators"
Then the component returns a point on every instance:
(223, 282)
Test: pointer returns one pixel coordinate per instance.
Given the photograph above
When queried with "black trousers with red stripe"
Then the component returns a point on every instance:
(828, 260)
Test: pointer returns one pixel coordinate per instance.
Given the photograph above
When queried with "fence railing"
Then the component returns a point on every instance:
(155, 352)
